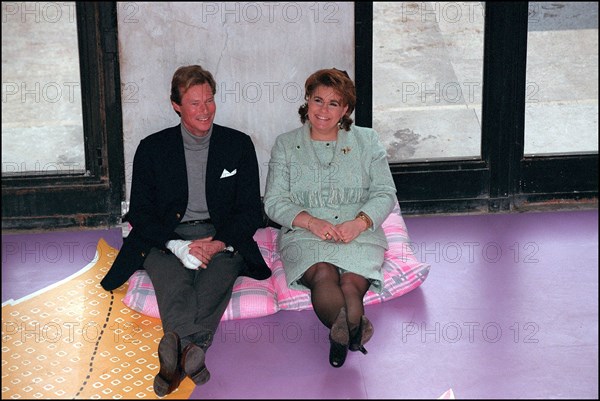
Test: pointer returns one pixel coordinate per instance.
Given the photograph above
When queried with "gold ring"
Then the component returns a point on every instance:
(327, 235)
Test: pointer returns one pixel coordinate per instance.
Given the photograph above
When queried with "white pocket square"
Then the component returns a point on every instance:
(226, 173)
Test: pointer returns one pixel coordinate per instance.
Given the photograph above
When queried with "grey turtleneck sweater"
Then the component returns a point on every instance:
(196, 156)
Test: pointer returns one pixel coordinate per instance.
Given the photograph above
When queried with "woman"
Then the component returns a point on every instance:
(330, 188)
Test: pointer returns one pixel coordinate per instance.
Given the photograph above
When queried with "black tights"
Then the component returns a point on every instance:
(329, 292)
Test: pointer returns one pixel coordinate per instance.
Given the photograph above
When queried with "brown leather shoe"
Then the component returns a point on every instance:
(170, 375)
(193, 364)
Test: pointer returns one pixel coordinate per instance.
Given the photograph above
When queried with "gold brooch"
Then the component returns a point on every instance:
(346, 150)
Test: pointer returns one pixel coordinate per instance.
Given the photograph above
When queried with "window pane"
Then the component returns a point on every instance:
(562, 78)
(427, 79)
(42, 126)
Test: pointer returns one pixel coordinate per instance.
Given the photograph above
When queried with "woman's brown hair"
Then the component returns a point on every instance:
(340, 82)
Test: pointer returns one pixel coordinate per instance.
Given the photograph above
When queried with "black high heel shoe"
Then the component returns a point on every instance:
(362, 335)
(339, 337)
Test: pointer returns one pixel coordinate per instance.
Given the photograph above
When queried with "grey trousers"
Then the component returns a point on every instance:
(192, 302)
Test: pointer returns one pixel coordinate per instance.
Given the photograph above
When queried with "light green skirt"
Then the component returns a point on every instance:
(363, 259)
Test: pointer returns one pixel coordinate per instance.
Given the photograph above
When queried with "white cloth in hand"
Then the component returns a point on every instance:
(181, 249)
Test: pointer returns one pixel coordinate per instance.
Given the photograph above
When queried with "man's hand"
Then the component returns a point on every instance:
(181, 249)
(205, 248)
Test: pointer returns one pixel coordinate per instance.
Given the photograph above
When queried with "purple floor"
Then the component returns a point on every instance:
(32, 262)
(509, 310)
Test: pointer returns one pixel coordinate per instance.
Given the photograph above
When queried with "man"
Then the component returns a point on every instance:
(194, 208)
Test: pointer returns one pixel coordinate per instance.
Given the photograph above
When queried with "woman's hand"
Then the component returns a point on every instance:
(323, 229)
(351, 229)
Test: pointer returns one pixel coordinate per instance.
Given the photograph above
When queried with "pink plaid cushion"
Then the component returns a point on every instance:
(250, 298)
(402, 272)
(255, 298)
(140, 295)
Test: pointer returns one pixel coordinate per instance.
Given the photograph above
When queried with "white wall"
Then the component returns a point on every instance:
(259, 53)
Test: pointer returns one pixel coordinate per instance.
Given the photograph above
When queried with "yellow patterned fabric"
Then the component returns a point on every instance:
(76, 340)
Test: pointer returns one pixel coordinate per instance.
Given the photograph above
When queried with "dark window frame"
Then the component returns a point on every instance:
(93, 197)
(504, 179)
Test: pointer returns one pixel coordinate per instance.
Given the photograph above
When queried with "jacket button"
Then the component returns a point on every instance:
(178, 215)
(143, 254)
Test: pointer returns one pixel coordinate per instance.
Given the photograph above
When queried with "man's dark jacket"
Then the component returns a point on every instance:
(159, 197)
